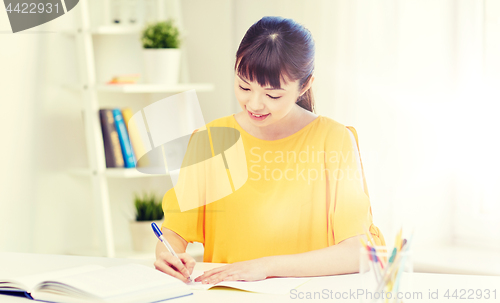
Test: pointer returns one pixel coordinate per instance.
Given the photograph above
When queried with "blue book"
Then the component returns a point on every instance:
(128, 153)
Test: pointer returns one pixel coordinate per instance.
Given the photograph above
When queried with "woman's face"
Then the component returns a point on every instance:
(272, 103)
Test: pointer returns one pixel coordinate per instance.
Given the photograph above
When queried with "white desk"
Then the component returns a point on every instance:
(17, 264)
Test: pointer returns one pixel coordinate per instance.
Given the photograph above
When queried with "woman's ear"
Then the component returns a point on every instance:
(307, 86)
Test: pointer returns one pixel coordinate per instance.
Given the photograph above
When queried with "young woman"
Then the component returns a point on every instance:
(305, 200)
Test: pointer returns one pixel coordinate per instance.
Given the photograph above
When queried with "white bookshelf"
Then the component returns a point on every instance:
(115, 173)
(90, 90)
(116, 30)
(154, 88)
(107, 30)
(145, 88)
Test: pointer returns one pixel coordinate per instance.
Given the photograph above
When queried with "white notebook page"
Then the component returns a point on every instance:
(267, 286)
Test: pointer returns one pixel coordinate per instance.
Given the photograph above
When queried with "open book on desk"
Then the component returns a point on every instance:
(275, 286)
(93, 283)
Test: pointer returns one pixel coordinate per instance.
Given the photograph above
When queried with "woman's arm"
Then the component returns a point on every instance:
(342, 258)
(337, 259)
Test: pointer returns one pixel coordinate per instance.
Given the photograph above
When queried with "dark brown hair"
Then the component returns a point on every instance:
(273, 47)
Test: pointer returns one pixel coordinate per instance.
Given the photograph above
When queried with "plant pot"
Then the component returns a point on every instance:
(162, 65)
(143, 237)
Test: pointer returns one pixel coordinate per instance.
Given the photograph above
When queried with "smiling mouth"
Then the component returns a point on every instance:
(257, 115)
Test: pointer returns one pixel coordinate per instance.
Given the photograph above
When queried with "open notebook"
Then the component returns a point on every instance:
(268, 286)
(93, 283)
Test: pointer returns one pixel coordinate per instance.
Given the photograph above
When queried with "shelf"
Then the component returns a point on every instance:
(154, 88)
(128, 173)
(146, 88)
(109, 30)
(117, 30)
(116, 173)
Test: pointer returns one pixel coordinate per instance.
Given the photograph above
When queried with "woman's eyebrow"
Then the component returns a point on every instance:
(267, 88)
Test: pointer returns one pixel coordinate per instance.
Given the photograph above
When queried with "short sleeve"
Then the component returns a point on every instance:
(357, 159)
(350, 209)
(188, 224)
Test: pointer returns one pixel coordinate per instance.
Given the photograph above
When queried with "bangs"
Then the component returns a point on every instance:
(262, 63)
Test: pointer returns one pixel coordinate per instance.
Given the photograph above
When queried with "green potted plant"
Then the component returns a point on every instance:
(161, 47)
(148, 209)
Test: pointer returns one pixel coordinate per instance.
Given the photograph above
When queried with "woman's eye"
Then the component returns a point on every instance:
(247, 89)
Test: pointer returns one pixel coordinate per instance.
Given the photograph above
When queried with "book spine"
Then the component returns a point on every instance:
(128, 153)
(112, 148)
(127, 115)
(134, 137)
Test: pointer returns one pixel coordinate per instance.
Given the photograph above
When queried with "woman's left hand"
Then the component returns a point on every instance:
(251, 270)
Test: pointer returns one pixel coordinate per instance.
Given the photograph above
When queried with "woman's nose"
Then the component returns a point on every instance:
(255, 103)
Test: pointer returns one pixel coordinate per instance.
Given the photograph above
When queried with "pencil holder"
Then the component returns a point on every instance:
(386, 274)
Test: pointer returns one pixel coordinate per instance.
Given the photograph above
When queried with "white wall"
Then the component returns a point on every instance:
(391, 75)
(17, 123)
(42, 135)
(210, 28)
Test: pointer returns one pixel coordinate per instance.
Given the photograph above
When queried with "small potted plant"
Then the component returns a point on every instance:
(161, 47)
(148, 209)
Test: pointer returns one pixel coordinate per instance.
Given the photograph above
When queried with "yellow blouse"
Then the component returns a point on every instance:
(304, 192)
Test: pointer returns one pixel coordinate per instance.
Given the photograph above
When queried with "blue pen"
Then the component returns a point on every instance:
(159, 234)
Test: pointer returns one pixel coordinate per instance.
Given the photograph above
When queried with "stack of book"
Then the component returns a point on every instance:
(118, 147)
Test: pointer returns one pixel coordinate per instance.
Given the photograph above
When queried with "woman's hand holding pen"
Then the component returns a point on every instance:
(251, 270)
(169, 264)
(179, 265)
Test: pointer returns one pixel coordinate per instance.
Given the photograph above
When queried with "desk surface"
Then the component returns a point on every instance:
(324, 288)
